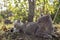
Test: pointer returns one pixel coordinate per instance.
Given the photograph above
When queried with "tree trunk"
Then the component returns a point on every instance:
(31, 10)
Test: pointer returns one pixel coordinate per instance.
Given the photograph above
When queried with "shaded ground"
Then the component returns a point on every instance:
(21, 36)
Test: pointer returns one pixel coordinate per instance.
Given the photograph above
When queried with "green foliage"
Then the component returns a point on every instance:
(20, 8)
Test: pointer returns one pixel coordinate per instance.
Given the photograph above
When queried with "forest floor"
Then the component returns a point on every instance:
(3, 35)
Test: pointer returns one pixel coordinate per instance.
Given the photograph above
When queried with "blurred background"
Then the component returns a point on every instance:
(28, 10)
